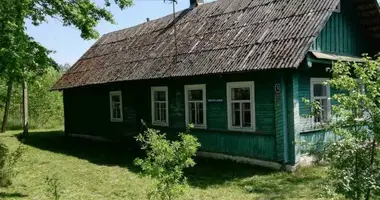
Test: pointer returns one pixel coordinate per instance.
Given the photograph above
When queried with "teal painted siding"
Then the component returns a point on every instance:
(292, 89)
(238, 144)
(317, 139)
(94, 120)
(342, 34)
(318, 71)
(87, 111)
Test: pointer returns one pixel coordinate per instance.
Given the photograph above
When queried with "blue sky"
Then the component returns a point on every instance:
(68, 44)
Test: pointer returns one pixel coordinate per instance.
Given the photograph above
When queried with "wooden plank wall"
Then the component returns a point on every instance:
(342, 34)
(87, 112)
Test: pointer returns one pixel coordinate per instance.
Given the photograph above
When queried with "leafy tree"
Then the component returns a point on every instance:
(22, 58)
(166, 161)
(354, 159)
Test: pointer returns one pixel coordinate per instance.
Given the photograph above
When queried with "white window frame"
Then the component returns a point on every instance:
(328, 95)
(160, 89)
(245, 84)
(196, 87)
(112, 94)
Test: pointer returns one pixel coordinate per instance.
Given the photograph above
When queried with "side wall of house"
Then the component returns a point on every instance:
(309, 132)
(87, 111)
(341, 36)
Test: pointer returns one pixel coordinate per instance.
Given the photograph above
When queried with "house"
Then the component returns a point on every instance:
(236, 69)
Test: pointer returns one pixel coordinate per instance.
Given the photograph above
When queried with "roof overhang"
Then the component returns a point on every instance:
(328, 58)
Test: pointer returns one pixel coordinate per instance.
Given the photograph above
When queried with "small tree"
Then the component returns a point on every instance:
(354, 160)
(54, 187)
(8, 161)
(165, 162)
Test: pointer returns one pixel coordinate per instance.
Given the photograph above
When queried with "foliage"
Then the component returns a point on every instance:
(54, 187)
(8, 161)
(22, 59)
(166, 161)
(45, 107)
(354, 159)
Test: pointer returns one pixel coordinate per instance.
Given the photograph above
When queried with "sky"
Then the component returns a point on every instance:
(69, 46)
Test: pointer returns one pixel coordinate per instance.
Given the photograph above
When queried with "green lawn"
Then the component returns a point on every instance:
(96, 170)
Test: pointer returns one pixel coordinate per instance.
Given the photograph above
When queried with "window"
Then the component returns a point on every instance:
(321, 92)
(160, 111)
(116, 106)
(240, 106)
(195, 105)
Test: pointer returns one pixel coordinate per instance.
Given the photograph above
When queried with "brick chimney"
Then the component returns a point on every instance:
(195, 3)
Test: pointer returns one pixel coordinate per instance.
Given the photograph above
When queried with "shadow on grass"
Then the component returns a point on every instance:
(304, 183)
(12, 195)
(205, 173)
(97, 152)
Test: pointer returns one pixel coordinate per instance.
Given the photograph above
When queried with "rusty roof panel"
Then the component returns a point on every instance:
(220, 37)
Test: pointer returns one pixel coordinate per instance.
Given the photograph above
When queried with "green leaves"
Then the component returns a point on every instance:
(165, 162)
(355, 158)
(23, 58)
(82, 14)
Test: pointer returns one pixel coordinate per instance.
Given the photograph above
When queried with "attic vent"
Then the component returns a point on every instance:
(337, 9)
(195, 3)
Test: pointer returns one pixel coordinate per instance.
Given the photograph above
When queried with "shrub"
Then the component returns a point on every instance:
(165, 162)
(54, 187)
(8, 161)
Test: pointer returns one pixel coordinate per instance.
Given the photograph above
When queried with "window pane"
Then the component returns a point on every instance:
(200, 117)
(163, 105)
(114, 115)
(195, 95)
(163, 115)
(235, 106)
(115, 98)
(324, 109)
(247, 118)
(323, 116)
(118, 113)
(320, 90)
(159, 96)
(240, 93)
(236, 114)
(192, 116)
(192, 113)
(246, 106)
(156, 111)
(199, 105)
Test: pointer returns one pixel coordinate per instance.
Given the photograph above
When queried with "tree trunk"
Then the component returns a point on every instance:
(373, 152)
(7, 104)
(25, 108)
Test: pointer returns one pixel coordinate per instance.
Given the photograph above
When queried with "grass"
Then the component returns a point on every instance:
(96, 170)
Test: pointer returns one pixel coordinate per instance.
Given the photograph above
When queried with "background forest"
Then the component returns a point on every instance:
(45, 106)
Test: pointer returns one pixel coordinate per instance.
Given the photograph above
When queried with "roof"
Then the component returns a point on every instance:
(369, 17)
(220, 37)
(334, 57)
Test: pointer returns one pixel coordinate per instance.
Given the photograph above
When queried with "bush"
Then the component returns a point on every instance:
(54, 187)
(165, 162)
(8, 161)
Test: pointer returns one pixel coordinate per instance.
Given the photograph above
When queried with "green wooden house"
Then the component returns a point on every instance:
(236, 69)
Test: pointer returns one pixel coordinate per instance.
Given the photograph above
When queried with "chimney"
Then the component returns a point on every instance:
(195, 3)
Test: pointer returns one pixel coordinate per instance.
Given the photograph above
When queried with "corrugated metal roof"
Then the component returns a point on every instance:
(219, 37)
